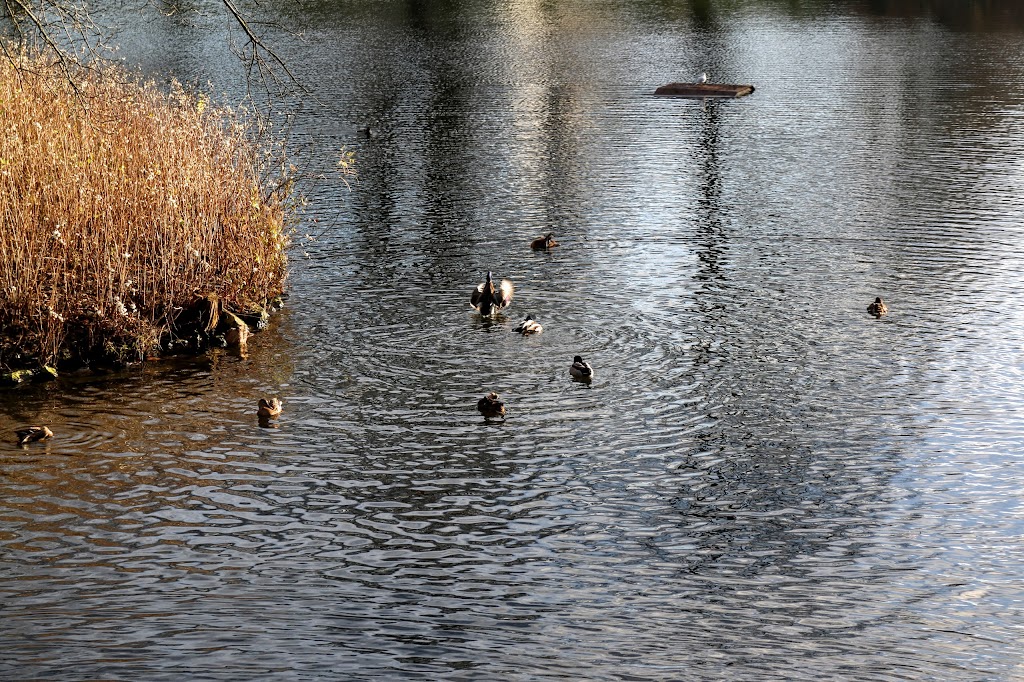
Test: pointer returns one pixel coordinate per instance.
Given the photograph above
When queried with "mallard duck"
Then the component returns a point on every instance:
(581, 369)
(489, 301)
(490, 406)
(268, 407)
(545, 242)
(237, 336)
(31, 434)
(878, 308)
(529, 326)
(236, 330)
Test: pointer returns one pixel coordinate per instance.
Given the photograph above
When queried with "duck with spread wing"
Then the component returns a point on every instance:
(489, 300)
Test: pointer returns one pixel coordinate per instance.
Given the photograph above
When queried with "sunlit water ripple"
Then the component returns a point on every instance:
(761, 482)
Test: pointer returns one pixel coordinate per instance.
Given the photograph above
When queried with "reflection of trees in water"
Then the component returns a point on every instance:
(780, 483)
(956, 14)
(437, 167)
(444, 175)
(562, 173)
(964, 15)
(781, 490)
(712, 239)
(447, 119)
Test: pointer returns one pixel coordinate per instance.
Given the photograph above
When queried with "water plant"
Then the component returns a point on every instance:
(121, 202)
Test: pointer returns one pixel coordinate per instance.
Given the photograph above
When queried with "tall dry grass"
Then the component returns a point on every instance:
(119, 203)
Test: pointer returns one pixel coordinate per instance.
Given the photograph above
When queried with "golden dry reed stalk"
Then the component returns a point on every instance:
(119, 203)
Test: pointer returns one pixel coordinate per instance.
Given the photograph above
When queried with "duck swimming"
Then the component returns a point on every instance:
(234, 328)
(544, 243)
(31, 434)
(529, 326)
(268, 407)
(237, 336)
(489, 300)
(581, 369)
(878, 308)
(490, 406)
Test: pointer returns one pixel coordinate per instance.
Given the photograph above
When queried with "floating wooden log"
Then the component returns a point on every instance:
(701, 90)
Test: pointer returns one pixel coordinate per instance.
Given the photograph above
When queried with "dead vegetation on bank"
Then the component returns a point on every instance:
(121, 206)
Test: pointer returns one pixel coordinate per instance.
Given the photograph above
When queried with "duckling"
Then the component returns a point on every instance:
(581, 369)
(544, 243)
(31, 434)
(490, 406)
(878, 308)
(529, 326)
(489, 301)
(267, 408)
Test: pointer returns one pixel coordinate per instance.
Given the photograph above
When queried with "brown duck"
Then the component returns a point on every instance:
(268, 407)
(489, 300)
(544, 243)
(878, 307)
(31, 434)
(236, 330)
(490, 406)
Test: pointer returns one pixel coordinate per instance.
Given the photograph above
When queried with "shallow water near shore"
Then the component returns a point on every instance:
(761, 482)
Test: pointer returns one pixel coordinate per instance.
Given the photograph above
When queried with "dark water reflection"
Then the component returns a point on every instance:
(762, 482)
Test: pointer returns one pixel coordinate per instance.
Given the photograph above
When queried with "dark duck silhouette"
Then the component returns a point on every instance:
(581, 369)
(489, 300)
(878, 308)
(490, 406)
(544, 243)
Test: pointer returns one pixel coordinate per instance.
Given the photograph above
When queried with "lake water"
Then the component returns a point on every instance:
(762, 481)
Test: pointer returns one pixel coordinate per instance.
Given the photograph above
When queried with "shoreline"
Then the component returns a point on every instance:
(149, 223)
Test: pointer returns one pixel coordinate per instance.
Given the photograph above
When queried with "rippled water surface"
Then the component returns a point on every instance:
(762, 481)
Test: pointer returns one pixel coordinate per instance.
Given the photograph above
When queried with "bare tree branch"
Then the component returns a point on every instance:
(66, 29)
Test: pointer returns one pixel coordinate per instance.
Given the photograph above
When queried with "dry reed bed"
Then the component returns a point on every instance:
(119, 203)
